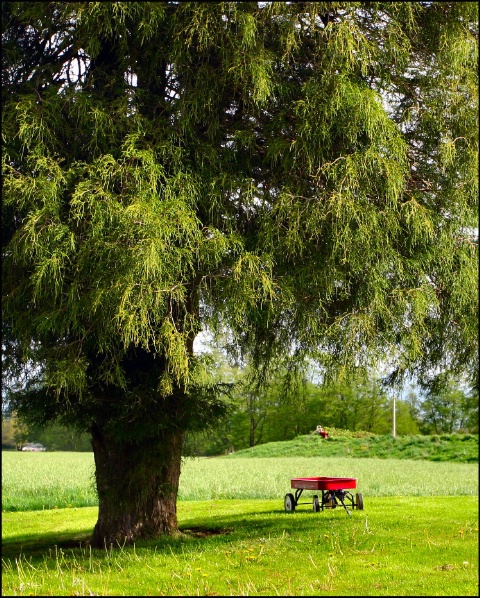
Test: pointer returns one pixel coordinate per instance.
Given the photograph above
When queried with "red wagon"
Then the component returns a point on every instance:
(334, 492)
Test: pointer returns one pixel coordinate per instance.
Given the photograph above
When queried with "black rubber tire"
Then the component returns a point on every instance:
(359, 501)
(316, 504)
(289, 503)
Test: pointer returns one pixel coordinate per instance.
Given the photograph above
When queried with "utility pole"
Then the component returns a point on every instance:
(394, 427)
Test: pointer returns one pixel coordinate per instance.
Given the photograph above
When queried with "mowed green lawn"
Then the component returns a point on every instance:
(417, 535)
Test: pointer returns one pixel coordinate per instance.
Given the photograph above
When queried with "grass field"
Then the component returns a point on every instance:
(37, 481)
(396, 546)
(417, 534)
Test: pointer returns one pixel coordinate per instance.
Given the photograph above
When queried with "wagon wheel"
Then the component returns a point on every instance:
(316, 504)
(359, 501)
(289, 503)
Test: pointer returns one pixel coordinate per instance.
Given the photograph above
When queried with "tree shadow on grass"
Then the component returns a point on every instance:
(222, 529)
(35, 545)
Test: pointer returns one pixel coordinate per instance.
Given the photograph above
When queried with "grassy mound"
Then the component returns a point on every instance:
(461, 448)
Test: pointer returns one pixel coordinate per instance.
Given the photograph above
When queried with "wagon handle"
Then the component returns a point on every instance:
(340, 498)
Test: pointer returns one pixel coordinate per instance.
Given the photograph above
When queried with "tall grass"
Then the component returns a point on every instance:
(36, 481)
(204, 479)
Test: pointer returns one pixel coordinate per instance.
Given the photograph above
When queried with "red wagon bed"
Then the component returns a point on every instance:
(324, 483)
(333, 493)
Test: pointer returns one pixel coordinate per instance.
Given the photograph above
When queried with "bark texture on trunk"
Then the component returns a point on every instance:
(137, 487)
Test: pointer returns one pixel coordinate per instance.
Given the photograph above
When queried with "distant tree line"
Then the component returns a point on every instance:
(359, 404)
(16, 433)
(276, 413)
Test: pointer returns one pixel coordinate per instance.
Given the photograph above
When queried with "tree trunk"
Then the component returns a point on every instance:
(252, 430)
(137, 487)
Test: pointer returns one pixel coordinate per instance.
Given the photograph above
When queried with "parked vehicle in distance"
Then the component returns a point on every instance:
(34, 447)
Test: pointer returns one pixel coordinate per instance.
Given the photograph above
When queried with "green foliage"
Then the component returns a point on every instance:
(450, 409)
(272, 182)
(20, 435)
(60, 438)
(15, 432)
(8, 428)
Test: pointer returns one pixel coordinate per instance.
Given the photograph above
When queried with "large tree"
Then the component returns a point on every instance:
(301, 175)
